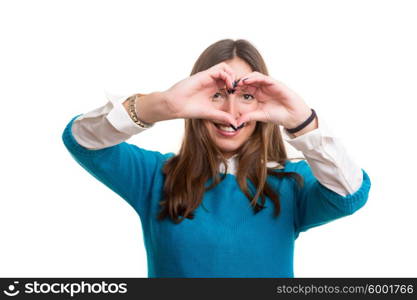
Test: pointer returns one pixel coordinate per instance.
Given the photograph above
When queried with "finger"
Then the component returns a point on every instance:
(256, 79)
(245, 78)
(218, 74)
(228, 69)
(256, 115)
(223, 117)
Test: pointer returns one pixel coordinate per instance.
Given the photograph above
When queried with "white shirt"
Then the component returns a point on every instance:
(111, 124)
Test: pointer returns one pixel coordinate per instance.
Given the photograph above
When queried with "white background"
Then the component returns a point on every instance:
(353, 61)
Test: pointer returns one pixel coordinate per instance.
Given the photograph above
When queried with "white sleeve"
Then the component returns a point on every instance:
(105, 126)
(328, 159)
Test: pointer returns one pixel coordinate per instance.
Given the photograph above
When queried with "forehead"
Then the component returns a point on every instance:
(239, 66)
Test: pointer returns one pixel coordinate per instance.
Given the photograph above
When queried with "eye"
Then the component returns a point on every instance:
(246, 98)
(217, 95)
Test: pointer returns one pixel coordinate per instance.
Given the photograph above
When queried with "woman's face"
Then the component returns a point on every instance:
(236, 104)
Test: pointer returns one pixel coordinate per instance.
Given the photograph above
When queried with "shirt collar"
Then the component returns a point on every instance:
(232, 165)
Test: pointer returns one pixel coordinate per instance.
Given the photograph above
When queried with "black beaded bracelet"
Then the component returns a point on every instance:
(304, 124)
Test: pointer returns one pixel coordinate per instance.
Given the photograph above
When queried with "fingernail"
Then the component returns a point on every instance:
(235, 83)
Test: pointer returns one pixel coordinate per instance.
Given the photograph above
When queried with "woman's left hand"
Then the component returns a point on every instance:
(276, 102)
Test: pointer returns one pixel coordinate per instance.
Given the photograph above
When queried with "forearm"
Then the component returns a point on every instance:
(151, 108)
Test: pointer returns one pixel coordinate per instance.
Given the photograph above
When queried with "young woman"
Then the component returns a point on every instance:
(230, 203)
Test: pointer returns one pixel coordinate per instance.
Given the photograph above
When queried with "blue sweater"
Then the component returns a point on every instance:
(225, 239)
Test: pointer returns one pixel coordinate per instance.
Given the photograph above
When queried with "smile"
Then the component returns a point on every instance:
(227, 130)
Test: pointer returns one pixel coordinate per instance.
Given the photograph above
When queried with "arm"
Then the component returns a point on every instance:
(329, 161)
(111, 124)
(96, 140)
(334, 186)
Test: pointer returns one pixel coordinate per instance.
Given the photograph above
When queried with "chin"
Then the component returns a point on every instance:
(228, 150)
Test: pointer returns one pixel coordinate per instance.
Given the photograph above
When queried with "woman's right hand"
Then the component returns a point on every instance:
(191, 98)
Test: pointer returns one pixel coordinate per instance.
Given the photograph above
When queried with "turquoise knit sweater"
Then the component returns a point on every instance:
(225, 239)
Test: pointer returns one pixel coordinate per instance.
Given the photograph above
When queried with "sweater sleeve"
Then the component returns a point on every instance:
(317, 205)
(126, 169)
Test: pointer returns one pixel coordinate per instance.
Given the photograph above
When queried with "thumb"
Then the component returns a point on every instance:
(256, 115)
(222, 116)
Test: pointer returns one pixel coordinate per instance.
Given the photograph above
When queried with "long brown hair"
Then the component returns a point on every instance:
(198, 160)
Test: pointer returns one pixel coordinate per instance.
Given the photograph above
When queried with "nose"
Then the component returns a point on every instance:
(231, 106)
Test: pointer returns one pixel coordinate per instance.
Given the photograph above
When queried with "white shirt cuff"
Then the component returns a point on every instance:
(328, 159)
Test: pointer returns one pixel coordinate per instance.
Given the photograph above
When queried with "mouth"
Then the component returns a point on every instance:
(228, 129)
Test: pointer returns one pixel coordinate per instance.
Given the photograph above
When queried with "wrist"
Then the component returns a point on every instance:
(150, 108)
(313, 125)
(296, 118)
(157, 106)
(169, 108)
(304, 122)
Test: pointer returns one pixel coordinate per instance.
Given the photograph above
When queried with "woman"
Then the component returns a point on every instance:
(216, 209)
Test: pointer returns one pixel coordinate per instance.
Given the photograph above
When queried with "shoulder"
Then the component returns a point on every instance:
(167, 156)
